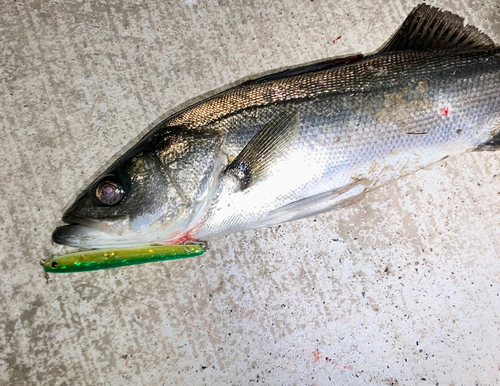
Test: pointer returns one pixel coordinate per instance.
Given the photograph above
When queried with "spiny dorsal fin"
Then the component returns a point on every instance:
(428, 27)
(262, 152)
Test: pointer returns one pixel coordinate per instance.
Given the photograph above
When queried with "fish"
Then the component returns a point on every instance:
(299, 142)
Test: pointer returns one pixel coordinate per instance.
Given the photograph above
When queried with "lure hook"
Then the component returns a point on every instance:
(201, 244)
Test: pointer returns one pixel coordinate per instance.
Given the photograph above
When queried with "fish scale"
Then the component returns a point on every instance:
(378, 141)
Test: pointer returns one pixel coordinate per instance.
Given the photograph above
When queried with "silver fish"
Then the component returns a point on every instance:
(300, 142)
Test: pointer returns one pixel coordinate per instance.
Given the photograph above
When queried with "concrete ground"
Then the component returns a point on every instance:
(400, 289)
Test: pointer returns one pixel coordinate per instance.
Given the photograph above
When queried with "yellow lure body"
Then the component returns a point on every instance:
(95, 259)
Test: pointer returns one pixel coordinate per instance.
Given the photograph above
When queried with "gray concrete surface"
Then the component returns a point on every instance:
(399, 289)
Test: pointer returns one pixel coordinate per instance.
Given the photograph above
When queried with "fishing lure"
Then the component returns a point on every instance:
(91, 260)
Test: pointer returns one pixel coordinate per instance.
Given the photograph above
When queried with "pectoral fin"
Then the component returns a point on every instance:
(258, 157)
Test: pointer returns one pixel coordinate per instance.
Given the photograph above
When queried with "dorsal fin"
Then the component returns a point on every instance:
(314, 67)
(428, 27)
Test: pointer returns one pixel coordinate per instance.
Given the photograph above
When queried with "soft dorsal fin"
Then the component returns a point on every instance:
(428, 27)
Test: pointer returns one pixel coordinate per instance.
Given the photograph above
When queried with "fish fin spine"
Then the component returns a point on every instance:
(428, 27)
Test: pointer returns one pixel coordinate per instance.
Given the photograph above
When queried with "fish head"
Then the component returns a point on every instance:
(154, 194)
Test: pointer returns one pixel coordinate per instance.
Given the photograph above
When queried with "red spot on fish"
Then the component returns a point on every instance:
(444, 111)
(317, 355)
(348, 367)
(181, 238)
(336, 39)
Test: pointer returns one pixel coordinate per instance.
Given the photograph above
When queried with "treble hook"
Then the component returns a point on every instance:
(201, 244)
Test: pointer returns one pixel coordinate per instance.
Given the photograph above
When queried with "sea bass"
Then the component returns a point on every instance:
(299, 142)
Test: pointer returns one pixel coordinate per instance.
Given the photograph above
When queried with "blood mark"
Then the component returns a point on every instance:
(336, 39)
(444, 111)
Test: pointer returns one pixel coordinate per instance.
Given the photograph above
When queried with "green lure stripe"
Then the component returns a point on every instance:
(91, 260)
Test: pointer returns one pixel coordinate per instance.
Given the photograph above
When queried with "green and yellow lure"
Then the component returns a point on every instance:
(91, 260)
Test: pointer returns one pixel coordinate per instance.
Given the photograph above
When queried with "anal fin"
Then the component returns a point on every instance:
(491, 144)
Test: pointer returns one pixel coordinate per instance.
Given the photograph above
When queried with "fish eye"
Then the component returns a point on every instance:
(54, 264)
(109, 192)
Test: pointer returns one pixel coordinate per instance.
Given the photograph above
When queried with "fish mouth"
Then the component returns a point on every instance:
(75, 235)
(72, 219)
(83, 232)
(94, 233)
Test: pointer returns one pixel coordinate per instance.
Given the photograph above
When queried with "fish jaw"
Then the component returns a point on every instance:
(82, 236)
(121, 232)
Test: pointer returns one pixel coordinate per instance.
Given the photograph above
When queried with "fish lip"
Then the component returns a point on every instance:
(57, 236)
(96, 224)
(68, 234)
(72, 219)
(78, 231)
